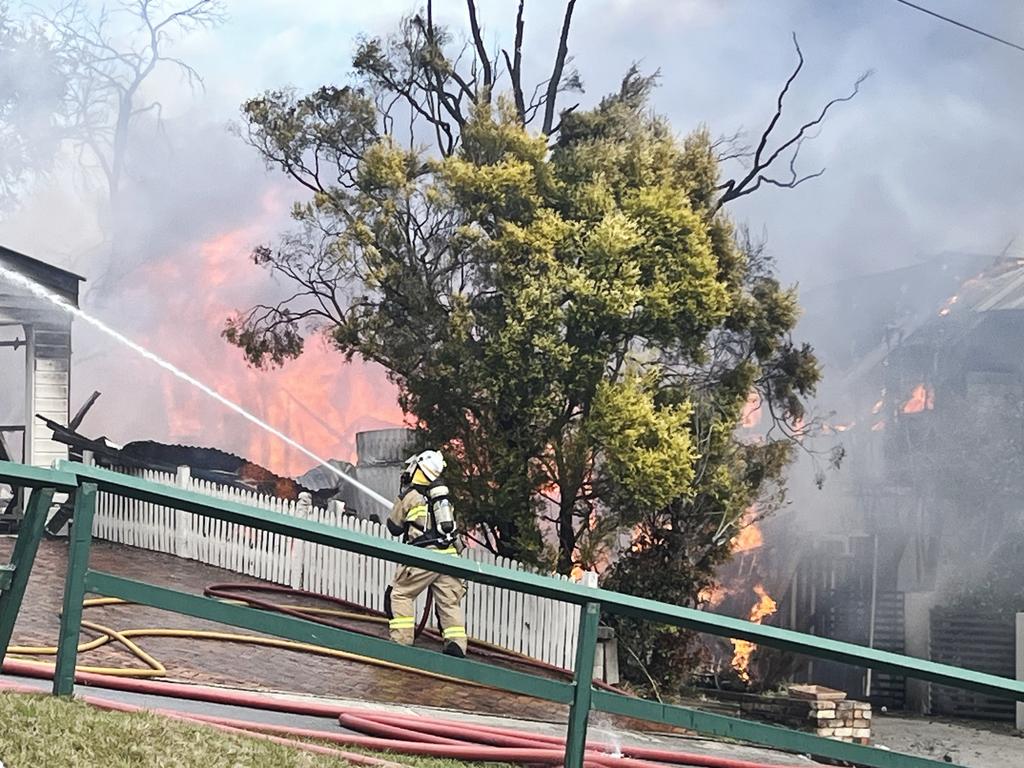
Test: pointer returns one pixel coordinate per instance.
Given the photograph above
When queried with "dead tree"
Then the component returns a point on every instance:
(109, 55)
(762, 160)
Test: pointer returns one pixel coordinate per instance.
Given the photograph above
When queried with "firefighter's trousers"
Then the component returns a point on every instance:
(448, 593)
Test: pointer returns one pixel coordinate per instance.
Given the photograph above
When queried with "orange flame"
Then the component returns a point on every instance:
(749, 535)
(921, 399)
(713, 595)
(744, 649)
(317, 399)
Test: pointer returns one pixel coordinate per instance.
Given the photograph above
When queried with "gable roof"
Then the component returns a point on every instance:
(60, 281)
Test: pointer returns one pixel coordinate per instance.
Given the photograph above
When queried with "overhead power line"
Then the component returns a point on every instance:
(960, 24)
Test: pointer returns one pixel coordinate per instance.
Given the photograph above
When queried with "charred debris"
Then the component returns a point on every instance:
(210, 464)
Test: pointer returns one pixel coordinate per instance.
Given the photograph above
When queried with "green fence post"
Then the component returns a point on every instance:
(74, 590)
(22, 558)
(583, 673)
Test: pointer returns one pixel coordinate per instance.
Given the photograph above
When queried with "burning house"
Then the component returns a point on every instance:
(380, 457)
(37, 425)
(903, 548)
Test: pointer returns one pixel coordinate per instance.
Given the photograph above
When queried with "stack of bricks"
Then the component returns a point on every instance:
(813, 708)
(833, 716)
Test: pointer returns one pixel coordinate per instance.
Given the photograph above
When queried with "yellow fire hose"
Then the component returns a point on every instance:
(155, 669)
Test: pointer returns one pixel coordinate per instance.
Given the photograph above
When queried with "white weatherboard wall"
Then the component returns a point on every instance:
(541, 628)
(48, 390)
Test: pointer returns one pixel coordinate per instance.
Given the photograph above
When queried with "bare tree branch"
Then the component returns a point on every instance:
(794, 180)
(556, 73)
(481, 50)
(106, 77)
(515, 66)
(757, 174)
(732, 147)
(108, 54)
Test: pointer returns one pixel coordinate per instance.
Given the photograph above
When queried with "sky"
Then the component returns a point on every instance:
(927, 159)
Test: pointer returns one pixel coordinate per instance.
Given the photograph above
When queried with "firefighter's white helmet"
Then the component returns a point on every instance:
(431, 464)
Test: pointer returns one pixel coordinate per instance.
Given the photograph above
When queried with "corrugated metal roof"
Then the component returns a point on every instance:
(1000, 290)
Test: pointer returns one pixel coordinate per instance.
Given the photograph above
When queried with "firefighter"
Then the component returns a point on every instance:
(423, 516)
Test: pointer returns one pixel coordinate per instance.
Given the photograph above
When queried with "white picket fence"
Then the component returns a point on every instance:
(540, 628)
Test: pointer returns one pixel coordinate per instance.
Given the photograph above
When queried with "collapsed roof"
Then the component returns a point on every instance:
(209, 464)
(857, 320)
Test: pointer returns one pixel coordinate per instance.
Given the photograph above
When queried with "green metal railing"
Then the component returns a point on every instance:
(578, 694)
(14, 575)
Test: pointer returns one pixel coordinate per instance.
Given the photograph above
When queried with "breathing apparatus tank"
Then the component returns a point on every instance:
(441, 510)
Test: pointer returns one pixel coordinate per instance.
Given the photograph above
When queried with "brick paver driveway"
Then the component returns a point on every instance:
(231, 663)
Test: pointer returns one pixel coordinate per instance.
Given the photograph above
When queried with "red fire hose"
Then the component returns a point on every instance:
(624, 755)
(383, 731)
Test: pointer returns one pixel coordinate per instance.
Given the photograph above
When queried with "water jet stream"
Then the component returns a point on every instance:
(44, 293)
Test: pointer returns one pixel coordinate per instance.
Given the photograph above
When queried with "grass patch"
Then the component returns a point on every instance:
(37, 731)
